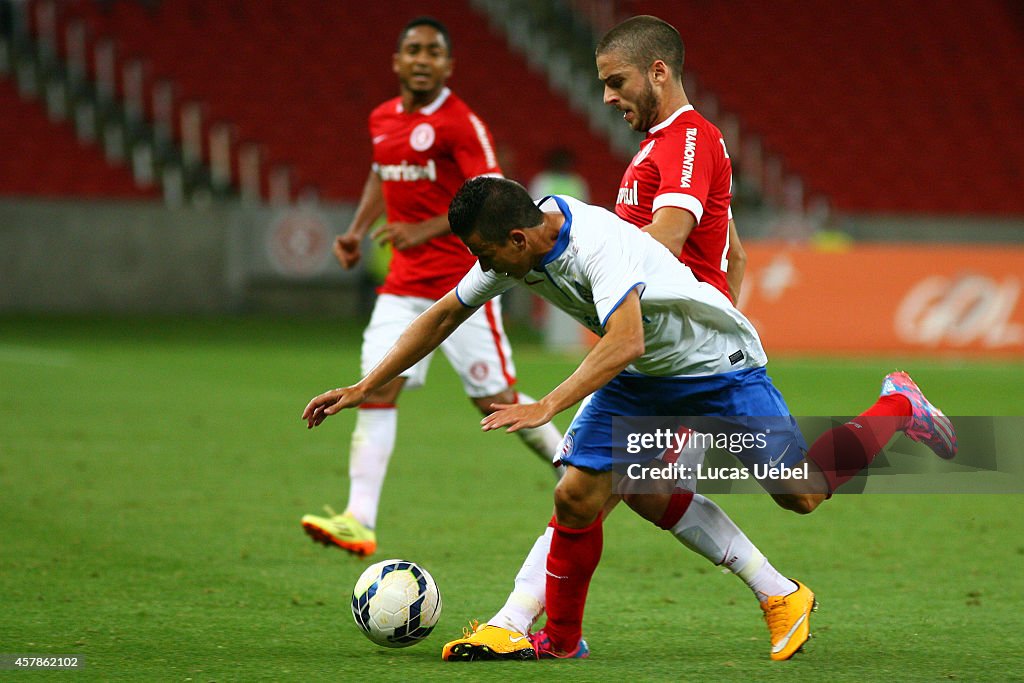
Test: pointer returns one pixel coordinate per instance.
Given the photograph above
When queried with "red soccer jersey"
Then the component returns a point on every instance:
(683, 163)
(422, 159)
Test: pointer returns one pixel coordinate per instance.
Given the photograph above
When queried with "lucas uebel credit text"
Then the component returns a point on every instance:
(701, 472)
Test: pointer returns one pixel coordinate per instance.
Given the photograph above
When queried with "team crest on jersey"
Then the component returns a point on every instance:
(422, 137)
(478, 371)
(644, 151)
(565, 448)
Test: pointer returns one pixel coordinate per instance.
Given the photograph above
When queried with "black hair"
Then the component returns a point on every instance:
(492, 207)
(643, 40)
(426, 21)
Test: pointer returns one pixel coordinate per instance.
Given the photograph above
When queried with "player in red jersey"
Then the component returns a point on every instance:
(677, 188)
(426, 143)
(683, 171)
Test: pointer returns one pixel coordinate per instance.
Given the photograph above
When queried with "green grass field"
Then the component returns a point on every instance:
(153, 474)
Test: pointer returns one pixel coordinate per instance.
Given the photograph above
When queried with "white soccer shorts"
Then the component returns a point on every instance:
(478, 350)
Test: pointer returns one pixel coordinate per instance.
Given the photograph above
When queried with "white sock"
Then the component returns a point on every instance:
(544, 440)
(526, 601)
(708, 531)
(373, 441)
(764, 579)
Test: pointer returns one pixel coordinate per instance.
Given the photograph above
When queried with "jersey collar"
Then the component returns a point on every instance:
(433, 106)
(668, 122)
(563, 233)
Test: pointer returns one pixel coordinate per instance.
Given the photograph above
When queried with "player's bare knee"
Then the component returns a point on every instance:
(800, 503)
(609, 505)
(484, 403)
(650, 506)
(388, 393)
(630, 499)
(575, 506)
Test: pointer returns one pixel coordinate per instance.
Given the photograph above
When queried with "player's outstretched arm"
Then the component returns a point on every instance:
(421, 337)
(371, 206)
(622, 343)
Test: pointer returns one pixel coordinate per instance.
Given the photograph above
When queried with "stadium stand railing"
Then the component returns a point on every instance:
(49, 131)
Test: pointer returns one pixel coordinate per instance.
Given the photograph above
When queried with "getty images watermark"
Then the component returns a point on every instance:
(673, 445)
(755, 454)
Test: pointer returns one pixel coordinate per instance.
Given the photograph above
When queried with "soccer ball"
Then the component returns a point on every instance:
(396, 603)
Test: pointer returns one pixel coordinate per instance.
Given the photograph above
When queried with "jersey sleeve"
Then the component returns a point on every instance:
(612, 270)
(473, 147)
(477, 287)
(686, 166)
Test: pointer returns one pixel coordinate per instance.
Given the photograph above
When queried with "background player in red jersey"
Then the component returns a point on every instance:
(426, 143)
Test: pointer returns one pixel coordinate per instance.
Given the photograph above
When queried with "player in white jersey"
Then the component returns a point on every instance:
(677, 188)
(670, 346)
(684, 313)
(690, 327)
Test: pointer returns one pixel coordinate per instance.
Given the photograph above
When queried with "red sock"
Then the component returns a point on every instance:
(845, 450)
(572, 559)
(678, 504)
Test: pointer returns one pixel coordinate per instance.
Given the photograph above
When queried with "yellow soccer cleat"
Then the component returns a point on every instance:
(486, 642)
(789, 620)
(343, 531)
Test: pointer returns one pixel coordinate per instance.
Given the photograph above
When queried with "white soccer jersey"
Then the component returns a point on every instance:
(690, 328)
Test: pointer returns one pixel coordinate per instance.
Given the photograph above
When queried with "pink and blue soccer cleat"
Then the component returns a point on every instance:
(542, 647)
(927, 423)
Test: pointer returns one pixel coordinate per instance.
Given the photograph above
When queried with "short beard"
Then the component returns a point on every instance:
(646, 108)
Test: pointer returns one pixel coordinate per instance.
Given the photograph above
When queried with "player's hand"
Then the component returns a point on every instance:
(331, 402)
(347, 250)
(516, 416)
(401, 235)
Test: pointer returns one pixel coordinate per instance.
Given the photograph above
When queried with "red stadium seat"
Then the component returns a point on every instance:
(910, 96)
(45, 159)
(302, 77)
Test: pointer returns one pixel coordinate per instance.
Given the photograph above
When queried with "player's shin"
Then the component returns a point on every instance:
(707, 530)
(373, 441)
(544, 440)
(842, 452)
(571, 563)
(526, 601)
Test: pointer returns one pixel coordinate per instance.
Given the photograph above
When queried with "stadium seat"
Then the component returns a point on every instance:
(873, 103)
(301, 78)
(45, 159)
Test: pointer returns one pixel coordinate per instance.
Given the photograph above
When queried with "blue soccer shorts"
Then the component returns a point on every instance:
(741, 412)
